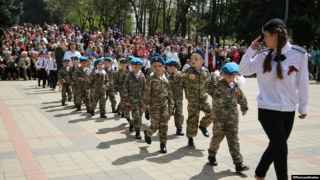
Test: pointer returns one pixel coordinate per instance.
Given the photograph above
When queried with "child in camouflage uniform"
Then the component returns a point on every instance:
(133, 90)
(158, 99)
(81, 84)
(64, 78)
(195, 81)
(176, 84)
(226, 95)
(119, 79)
(110, 92)
(98, 84)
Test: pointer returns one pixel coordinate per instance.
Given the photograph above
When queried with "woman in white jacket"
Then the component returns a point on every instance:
(282, 74)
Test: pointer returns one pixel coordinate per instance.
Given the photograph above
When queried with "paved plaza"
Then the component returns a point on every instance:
(40, 140)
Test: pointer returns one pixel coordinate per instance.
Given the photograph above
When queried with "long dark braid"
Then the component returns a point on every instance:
(281, 31)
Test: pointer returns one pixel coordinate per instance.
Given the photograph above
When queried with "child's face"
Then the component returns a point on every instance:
(135, 68)
(107, 64)
(171, 69)
(196, 61)
(229, 77)
(100, 66)
(123, 65)
(158, 68)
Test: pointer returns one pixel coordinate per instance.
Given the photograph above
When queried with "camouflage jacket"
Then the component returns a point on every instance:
(195, 84)
(99, 81)
(176, 85)
(64, 75)
(134, 87)
(110, 74)
(80, 78)
(119, 79)
(225, 99)
(158, 92)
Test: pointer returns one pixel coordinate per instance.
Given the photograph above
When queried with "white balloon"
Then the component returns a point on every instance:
(241, 81)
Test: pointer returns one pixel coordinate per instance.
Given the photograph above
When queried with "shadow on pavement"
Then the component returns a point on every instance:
(178, 154)
(143, 154)
(207, 173)
(108, 144)
(108, 130)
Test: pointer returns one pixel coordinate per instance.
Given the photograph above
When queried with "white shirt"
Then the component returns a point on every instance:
(51, 65)
(41, 63)
(69, 54)
(280, 94)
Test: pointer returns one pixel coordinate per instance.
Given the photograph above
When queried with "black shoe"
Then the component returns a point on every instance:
(212, 160)
(147, 115)
(147, 138)
(241, 167)
(163, 148)
(91, 113)
(204, 131)
(114, 110)
(103, 116)
(122, 115)
(138, 136)
(130, 128)
(179, 132)
(190, 142)
(63, 103)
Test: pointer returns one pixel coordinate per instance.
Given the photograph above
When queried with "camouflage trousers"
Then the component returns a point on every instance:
(136, 116)
(81, 95)
(226, 127)
(66, 92)
(194, 108)
(122, 106)
(73, 90)
(98, 95)
(159, 121)
(110, 94)
(178, 113)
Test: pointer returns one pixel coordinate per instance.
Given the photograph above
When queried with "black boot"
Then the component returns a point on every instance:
(212, 160)
(163, 148)
(91, 113)
(241, 167)
(138, 136)
(103, 116)
(114, 110)
(147, 138)
(130, 125)
(179, 132)
(63, 103)
(190, 142)
(147, 115)
(204, 131)
(131, 128)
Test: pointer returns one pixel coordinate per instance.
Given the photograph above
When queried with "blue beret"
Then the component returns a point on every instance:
(230, 68)
(158, 59)
(97, 61)
(83, 58)
(136, 61)
(171, 62)
(108, 58)
(123, 60)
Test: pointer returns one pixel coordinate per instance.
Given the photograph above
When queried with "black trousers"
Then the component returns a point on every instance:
(277, 125)
(42, 76)
(53, 78)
